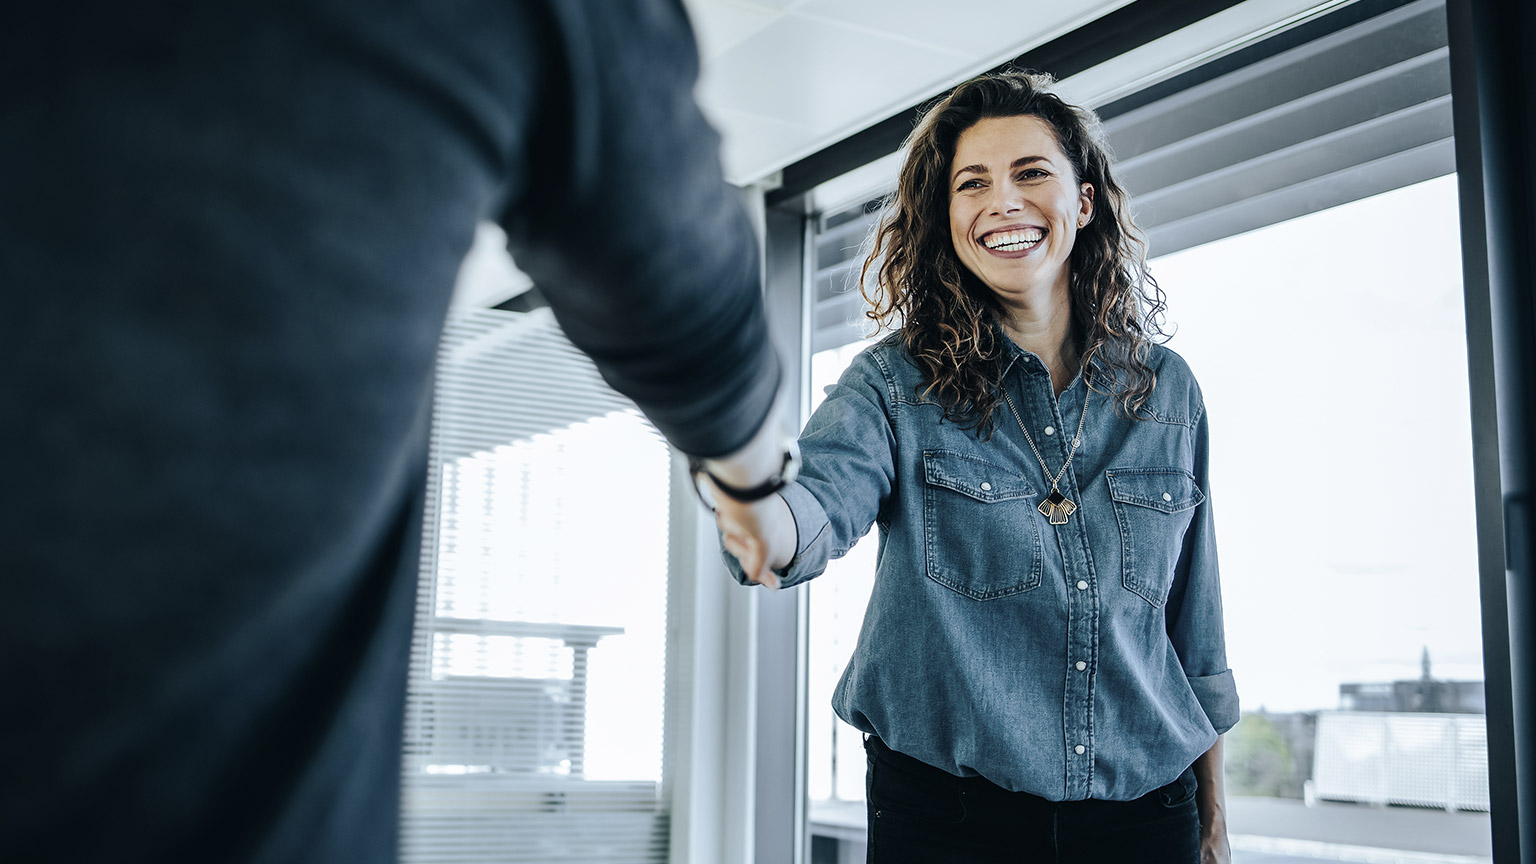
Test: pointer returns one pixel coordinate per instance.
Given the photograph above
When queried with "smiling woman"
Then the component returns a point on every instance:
(1020, 176)
(1002, 207)
(1041, 674)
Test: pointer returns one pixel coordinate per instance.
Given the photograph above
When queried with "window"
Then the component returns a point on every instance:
(534, 728)
(1331, 349)
(838, 597)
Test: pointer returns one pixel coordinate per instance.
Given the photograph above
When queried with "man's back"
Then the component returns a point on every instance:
(227, 237)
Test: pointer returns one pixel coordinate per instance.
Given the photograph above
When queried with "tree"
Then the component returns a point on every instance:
(1259, 759)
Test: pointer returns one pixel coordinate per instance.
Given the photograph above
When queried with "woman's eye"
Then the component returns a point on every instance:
(1031, 174)
(969, 184)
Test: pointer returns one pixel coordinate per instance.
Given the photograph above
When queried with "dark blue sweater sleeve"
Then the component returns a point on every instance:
(628, 227)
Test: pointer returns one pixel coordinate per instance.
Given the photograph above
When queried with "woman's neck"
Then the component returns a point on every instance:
(1046, 332)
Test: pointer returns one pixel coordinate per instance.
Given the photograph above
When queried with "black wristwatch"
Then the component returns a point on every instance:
(788, 469)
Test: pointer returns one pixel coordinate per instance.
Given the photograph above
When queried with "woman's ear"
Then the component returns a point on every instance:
(1085, 205)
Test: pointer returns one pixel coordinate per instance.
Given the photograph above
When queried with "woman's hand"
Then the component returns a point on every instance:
(1212, 801)
(761, 535)
(1214, 848)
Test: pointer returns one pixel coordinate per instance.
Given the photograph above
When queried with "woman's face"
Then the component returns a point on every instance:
(1015, 206)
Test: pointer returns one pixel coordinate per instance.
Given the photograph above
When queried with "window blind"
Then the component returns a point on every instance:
(535, 713)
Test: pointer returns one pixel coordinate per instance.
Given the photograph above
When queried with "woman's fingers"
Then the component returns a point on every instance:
(752, 553)
(758, 534)
(768, 577)
(745, 552)
(749, 551)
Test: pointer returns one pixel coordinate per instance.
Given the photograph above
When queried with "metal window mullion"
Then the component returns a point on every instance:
(1468, 63)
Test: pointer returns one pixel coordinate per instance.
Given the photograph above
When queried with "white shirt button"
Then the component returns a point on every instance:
(1081, 665)
(1050, 430)
(1079, 749)
(1082, 585)
(985, 486)
(1167, 497)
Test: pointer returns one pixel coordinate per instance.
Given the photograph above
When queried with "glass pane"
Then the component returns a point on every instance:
(1332, 353)
(837, 601)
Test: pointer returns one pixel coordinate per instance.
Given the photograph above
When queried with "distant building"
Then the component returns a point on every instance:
(1424, 695)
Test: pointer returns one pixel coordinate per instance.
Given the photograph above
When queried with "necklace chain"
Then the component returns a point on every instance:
(1071, 452)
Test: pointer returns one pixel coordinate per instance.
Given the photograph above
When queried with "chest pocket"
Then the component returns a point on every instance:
(1154, 507)
(977, 532)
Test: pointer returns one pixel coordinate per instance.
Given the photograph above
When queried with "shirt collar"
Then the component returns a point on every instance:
(1033, 365)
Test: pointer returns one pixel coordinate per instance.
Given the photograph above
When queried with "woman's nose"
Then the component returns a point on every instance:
(1006, 199)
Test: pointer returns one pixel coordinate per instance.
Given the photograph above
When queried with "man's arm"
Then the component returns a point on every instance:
(626, 223)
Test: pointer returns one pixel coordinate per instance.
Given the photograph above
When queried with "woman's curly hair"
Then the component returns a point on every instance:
(947, 316)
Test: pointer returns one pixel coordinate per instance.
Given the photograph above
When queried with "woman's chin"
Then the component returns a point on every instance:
(1021, 289)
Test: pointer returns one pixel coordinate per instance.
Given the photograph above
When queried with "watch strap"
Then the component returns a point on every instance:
(788, 468)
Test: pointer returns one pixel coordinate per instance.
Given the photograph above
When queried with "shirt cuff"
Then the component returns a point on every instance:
(811, 534)
(1218, 697)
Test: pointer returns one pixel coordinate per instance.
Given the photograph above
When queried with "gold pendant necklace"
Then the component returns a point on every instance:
(1055, 506)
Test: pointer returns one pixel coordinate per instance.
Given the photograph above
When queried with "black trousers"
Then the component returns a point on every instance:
(919, 814)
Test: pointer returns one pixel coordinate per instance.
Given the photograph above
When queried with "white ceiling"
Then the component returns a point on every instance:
(784, 78)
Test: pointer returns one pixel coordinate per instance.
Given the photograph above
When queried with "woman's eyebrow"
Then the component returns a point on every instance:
(1017, 163)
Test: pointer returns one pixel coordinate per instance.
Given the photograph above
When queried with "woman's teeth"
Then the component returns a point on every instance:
(1012, 241)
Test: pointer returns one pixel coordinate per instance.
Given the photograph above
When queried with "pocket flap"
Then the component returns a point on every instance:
(1167, 489)
(972, 477)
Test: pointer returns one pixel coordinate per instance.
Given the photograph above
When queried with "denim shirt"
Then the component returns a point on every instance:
(1083, 660)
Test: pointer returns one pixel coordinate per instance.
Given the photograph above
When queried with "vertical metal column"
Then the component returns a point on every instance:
(781, 833)
(1493, 76)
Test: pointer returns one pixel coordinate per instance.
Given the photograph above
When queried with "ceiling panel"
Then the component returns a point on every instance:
(820, 73)
(979, 29)
(783, 79)
(728, 23)
(759, 140)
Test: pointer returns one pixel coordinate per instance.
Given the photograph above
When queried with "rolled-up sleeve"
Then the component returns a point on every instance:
(1194, 613)
(847, 471)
